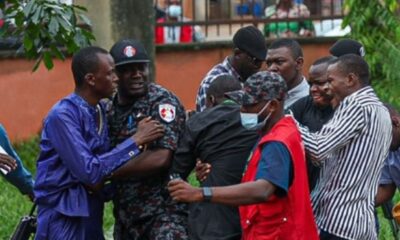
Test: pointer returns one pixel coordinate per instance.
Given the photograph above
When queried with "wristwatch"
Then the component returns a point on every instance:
(207, 194)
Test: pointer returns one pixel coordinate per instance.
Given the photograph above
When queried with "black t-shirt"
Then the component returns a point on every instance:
(215, 136)
(313, 117)
(309, 115)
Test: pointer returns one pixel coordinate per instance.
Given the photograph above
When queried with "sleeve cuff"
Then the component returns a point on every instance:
(126, 151)
(385, 181)
(134, 148)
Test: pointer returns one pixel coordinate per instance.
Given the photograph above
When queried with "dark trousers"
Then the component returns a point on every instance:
(327, 236)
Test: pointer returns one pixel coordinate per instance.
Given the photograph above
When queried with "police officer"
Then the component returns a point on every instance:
(143, 208)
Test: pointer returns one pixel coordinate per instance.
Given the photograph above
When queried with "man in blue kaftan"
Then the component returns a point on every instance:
(75, 156)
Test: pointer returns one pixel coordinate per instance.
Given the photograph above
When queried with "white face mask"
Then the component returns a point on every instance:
(250, 120)
(174, 11)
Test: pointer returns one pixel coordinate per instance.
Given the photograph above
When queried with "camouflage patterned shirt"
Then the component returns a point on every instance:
(138, 199)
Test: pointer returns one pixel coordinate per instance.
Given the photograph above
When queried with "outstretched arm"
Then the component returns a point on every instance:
(63, 132)
(20, 177)
(240, 194)
(336, 133)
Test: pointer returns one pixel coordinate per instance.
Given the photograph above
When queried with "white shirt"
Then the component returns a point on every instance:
(172, 34)
(299, 91)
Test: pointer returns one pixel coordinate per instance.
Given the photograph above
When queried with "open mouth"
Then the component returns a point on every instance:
(316, 97)
(136, 85)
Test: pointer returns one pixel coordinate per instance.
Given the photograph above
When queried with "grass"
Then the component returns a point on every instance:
(13, 205)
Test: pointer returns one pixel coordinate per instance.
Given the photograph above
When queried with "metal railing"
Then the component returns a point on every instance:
(219, 19)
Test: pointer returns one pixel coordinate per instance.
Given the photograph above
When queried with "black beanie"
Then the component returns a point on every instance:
(347, 46)
(252, 41)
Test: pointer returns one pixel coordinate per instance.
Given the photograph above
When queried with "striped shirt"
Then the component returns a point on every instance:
(351, 149)
(223, 68)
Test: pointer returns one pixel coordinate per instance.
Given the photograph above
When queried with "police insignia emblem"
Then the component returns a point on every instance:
(167, 112)
(129, 51)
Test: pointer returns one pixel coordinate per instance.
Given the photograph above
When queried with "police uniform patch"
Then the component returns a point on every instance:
(129, 51)
(167, 112)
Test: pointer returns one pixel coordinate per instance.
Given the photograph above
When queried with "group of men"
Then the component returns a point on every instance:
(119, 137)
(346, 132)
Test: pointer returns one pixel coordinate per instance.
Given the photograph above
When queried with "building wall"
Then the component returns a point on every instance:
(182, 72)
(27, 97)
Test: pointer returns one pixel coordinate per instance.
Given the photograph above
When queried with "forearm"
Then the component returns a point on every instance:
(148, 163)
(243, 194)
(183, 163)
(335, 134)
(385, 193)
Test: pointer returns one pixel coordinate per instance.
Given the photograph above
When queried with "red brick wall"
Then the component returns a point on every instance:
(26, 97)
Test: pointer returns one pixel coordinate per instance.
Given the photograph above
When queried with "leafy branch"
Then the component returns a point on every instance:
(46, 28)
(376, 25)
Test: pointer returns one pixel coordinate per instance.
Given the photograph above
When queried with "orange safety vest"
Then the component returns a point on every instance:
(281, 218)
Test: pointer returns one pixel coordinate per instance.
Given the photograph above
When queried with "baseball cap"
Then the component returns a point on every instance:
(252, 41)
(347, 46)
(260, 86)
(129, 51)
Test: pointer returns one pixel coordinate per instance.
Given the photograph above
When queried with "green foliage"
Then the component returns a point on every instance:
(46, 28)
(28, 151)
(376, 25)
(13, 205)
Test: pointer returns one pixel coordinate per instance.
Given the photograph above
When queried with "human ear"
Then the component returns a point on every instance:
(274, 104)
(211, 98)
(299, 63)
(236, 53)
(90, 79)
(210, 101)
(352, 80)
(395, 121)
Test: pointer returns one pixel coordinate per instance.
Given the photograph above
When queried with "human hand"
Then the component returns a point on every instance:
(182, 191)
(189, 113)
(7, 163)
(202, 170)
(148, 130)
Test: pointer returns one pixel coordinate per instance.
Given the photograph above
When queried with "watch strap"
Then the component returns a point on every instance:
(207, 194)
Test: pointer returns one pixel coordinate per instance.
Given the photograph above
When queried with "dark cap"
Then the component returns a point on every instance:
(347, 46)
(260, 86)
(129, 51)
(252, 41)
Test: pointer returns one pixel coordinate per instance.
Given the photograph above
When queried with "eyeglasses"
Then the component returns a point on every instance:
(253, 60)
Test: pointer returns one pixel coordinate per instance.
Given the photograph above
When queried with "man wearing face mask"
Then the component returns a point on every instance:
(217, 137)
(173, 34)
(273, 196)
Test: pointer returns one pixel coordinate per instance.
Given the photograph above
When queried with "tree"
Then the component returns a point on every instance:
(46, 28)
(376, 25)
(135, 19)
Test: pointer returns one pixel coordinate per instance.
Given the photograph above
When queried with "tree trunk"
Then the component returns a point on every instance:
(135, 19)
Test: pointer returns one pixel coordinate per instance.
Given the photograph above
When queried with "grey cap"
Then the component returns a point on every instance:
(261, 86)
